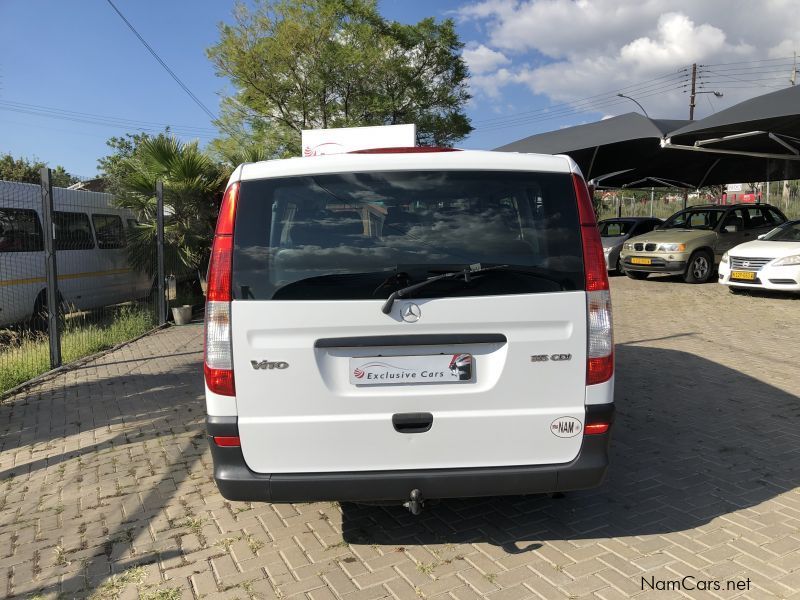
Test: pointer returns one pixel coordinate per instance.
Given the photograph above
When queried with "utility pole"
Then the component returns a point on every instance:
(691, 118)
(793, 78)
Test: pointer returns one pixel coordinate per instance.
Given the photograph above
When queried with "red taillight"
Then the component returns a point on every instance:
(594, 261)
(404, 150)
(599, 369)
(218, 361)
(220, 269)
(220, 381)
(600, 346)
(227, 441)
(595, 428)
(227, 211)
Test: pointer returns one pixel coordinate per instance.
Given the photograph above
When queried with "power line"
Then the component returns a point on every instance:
(633, 88)
(579, 106)
(746, 62)
(103, 120)
(759, 69)
(656, 86)
(172, 74)
(583, 107)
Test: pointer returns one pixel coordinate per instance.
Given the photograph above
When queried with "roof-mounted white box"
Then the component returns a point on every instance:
(347, 139)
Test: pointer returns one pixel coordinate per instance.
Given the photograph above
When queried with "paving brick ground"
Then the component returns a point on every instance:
(106, 491)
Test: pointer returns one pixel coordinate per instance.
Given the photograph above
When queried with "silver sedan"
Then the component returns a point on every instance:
(613, 232)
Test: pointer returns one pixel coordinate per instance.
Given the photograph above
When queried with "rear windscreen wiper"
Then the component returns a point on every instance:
(466, 272)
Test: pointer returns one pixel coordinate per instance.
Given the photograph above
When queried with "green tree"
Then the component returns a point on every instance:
(304, 64)
(28, 171)
(114, 167)
(193, 186)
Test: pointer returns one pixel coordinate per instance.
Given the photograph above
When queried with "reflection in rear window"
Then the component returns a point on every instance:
(362, 235)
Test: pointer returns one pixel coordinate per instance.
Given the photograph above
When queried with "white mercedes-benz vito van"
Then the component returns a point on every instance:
(406, 324)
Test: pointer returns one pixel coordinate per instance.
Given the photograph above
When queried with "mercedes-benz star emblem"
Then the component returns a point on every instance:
(411, 313)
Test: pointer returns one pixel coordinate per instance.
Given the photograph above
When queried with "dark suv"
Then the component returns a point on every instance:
(692, 241)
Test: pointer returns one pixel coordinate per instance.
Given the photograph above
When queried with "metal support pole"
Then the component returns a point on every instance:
(619, 206)
(161, 277)
(652, 195)
(51, 268)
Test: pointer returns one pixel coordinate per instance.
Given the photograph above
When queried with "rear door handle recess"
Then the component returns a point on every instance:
(412, 422)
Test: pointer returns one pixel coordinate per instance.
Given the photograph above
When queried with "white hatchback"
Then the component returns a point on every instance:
(772, 262)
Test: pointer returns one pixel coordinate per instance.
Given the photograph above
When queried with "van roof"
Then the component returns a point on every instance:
(15, 194)
(472, 160)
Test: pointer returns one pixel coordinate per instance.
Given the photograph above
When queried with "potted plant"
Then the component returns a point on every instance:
(182, 310)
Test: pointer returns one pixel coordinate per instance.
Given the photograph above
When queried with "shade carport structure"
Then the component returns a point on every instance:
(691, 170)
(760, 132)
(608, 146)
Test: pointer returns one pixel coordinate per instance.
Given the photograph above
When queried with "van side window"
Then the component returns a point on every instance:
(20, 230)
(72, 231)
(109, 232)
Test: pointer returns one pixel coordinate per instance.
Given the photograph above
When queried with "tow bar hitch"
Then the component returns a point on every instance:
(415, 504)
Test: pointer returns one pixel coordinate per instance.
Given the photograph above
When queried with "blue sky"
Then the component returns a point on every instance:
(525, 57)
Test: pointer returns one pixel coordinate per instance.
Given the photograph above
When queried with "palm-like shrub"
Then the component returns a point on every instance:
(193, 186)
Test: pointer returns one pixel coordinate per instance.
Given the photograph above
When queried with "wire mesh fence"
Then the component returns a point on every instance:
(663, 204)
(77, 276)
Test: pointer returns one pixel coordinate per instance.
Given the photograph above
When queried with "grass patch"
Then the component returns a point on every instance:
(427, 568)
(112, 588)
(26, 354)
(162, 594)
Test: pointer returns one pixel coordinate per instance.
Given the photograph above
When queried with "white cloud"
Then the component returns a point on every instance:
(487, 76)
(785, 48)
(574, 49)
(481, 59)
(491, 84)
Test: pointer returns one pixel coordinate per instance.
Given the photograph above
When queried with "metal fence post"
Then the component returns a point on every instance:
(51, 269)
(162, 306)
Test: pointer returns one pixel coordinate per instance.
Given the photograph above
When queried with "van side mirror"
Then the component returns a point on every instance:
(731, 228)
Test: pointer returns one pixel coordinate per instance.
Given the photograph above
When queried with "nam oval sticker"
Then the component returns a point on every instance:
(566, 427)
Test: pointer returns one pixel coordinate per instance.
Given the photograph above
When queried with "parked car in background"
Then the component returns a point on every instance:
(692, 241)
(614, 232)
(771, 262)
(91, 255)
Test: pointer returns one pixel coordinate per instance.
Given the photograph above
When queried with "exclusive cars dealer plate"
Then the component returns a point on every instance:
(409, 370)
(746, 275)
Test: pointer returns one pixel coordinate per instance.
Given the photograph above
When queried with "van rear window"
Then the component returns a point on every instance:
(363, 235)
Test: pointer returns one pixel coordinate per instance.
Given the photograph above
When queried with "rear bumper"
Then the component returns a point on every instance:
(658, 265)
(237, 482)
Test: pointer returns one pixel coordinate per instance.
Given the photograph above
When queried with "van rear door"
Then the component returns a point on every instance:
(470, 371)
